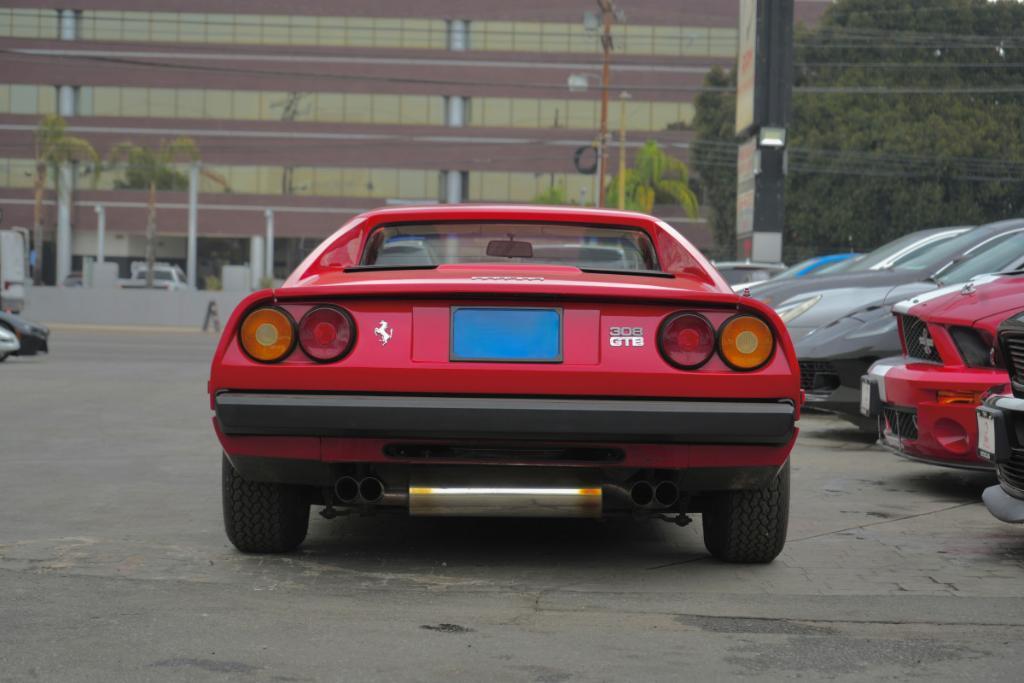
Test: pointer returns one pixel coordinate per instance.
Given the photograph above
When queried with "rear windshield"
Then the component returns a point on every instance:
(585, 247)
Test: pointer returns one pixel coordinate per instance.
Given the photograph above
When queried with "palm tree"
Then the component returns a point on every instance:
(656, 178)
(54, 149)
(154, 170)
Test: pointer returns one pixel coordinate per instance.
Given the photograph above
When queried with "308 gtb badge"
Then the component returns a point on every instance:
(625, 336)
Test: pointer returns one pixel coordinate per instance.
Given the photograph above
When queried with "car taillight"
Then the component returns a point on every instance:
(745, 342)
(326, 333)
(267, 334)
(686, 340)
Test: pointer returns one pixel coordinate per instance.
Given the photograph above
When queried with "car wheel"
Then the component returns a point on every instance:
(3, 357)
(260, 517)
(748, 526)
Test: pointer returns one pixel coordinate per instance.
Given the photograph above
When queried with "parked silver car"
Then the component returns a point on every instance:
(8, 343)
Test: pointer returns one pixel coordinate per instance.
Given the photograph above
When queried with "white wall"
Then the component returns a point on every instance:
(81, 305)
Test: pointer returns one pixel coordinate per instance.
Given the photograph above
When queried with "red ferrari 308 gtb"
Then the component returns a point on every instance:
(506, 361)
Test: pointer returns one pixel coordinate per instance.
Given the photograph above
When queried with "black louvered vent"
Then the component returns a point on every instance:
(919, 340)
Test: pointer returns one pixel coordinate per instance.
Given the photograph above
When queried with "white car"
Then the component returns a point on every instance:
(8, 343)
(165, 276)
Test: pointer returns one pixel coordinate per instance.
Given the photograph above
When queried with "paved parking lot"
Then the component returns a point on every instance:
(114, 565)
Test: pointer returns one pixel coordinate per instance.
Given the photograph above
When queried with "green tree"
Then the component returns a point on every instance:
(906, 115)
(655, 178)
(152, 170)
(554, 195)
(713, 155)
(53, 149)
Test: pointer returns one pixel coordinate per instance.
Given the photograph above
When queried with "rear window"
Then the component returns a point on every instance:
(585, 247)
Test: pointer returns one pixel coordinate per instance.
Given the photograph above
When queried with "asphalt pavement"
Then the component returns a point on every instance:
(114, 565)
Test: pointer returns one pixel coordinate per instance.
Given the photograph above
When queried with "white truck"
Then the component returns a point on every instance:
(13, 269)
(165, 276)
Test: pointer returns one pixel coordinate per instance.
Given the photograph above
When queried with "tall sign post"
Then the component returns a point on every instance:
(764, 86)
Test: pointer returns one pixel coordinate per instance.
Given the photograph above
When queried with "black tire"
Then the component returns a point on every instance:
(261, 517)
(748, 526)
(3, 357)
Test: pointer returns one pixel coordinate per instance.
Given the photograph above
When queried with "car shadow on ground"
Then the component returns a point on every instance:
(519, 543)
(944, 483)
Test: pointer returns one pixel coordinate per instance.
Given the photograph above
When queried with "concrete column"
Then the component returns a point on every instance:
(268, 268)
(255, 261)
(68, 24)
(455, 116)
(193, 226)
(65, 180)
(68, 28)
(458, 35)
(453, 187)
(101, 231)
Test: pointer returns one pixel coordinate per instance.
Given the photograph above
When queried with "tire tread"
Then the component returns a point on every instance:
(749, 526)
(262, 517)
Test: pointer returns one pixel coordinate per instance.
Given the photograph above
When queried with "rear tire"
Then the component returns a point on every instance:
(261, 517)
(748, 526)
(3, 357)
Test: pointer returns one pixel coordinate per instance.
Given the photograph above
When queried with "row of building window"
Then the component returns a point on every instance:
(417, 110)
(378, 183)
(255, 29)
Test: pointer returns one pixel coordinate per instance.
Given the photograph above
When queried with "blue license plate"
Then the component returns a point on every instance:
(530, 335)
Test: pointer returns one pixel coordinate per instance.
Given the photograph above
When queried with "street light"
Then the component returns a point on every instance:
(770, 136)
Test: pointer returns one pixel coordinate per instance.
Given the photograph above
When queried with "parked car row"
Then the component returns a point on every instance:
(924, 401)
(842, 323)
(922, 341)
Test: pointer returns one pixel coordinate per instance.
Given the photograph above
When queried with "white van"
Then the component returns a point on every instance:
(12, 270)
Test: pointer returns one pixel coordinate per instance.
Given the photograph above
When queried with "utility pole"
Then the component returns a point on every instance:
(608, 15)
(623, 96)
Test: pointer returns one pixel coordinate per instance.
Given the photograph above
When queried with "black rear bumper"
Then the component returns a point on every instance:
(514, 419)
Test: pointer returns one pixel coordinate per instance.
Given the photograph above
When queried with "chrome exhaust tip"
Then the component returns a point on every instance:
(641, 493)
(346, 489)
(477, 493)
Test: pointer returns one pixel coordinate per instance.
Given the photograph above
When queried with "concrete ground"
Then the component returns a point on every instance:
(114, 565)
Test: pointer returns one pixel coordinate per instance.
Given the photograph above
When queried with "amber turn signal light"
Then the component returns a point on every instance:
(267, 334)
(947, 398)
(745, 342)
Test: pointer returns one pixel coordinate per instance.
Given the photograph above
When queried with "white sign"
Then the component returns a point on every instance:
(746, 66)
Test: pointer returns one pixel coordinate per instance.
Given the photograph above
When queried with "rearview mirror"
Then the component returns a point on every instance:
(509, 249)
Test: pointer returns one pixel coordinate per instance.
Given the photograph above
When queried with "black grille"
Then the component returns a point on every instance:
(1011, 472)
(1013, 355)
(818, 375)
(901, 421)
(918, 339)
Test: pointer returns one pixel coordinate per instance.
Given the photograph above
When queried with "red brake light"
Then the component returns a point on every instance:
(326, 333)
(686, 340)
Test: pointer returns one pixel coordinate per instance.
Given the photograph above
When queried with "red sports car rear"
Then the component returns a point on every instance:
(506, 361)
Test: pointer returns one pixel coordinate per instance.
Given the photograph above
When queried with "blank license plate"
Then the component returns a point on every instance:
(986, 436)
(507, 335)
(865, 398)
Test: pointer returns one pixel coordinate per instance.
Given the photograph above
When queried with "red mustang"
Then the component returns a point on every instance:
(506, 361)
(926, 401)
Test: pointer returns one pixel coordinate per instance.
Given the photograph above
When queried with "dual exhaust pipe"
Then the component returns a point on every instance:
(366, 490)
(428, 496)
(645, 494)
